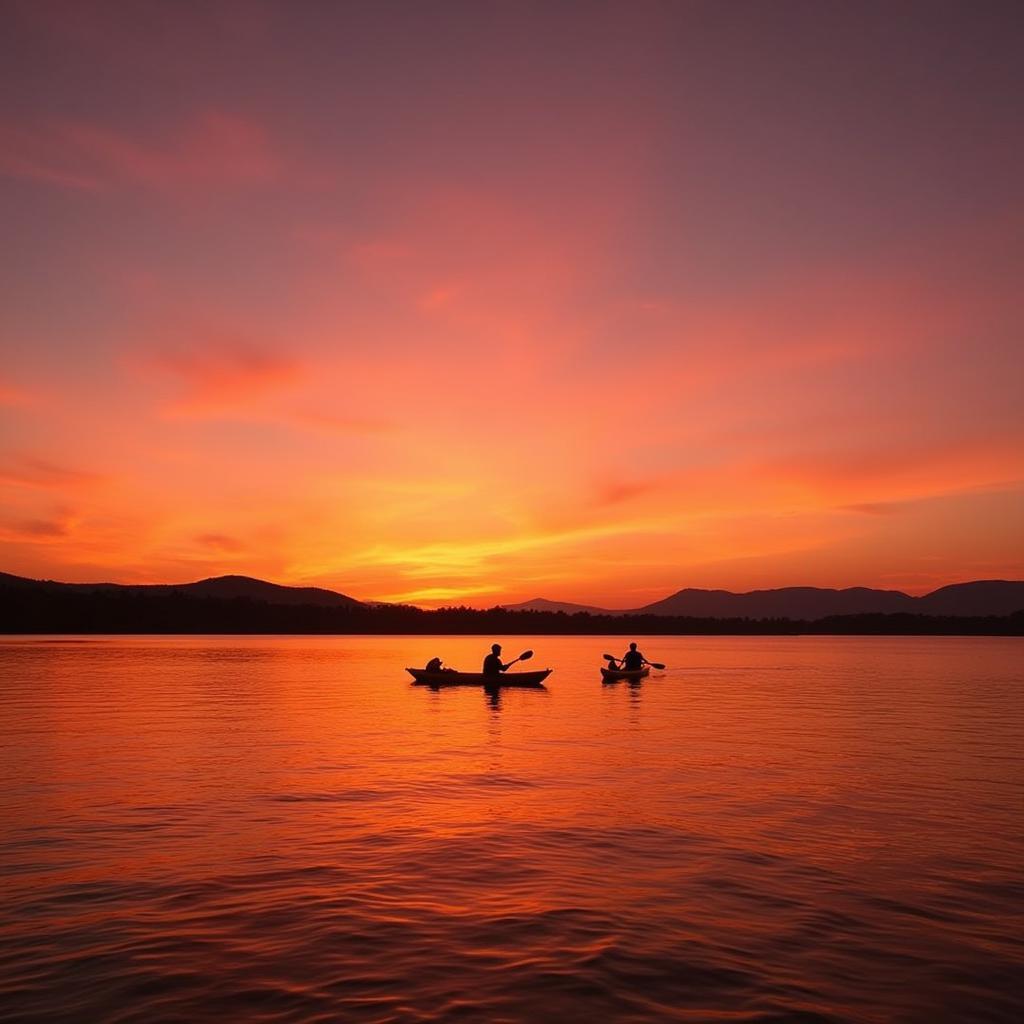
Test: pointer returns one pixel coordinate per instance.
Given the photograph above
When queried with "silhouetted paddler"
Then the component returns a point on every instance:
(493, 665)
(633, 659)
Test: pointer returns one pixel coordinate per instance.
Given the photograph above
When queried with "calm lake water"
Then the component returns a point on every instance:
(282, 829)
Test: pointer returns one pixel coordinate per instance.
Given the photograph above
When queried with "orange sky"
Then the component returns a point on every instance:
(487, 302)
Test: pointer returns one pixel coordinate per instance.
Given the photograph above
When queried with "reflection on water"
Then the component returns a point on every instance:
(283, 829)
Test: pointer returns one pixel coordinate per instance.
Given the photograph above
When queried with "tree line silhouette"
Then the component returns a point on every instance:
(51, 611)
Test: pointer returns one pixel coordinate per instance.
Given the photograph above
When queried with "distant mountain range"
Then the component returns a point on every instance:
(981, 597)
(541, 604)
(224, 587)
(242, 605)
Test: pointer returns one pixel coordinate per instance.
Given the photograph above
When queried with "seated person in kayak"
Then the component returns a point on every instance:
(493, 665)
(632, 659)
(436, 665)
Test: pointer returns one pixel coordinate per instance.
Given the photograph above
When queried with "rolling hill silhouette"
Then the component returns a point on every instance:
(981, 597)
(784, 603)
(541, 604)
(224, 587)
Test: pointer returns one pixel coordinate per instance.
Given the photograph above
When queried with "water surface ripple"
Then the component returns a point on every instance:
(282, 829)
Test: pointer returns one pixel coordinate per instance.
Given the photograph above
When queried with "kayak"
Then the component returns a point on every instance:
(615, 674)
(528, 680)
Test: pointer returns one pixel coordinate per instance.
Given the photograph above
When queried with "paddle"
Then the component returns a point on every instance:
(525, 656)
(654, 664)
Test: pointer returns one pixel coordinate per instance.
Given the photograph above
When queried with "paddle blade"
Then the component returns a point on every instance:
(609, 657)
(656, 664)
(525, 656)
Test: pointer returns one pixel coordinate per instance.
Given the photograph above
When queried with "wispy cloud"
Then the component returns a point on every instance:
(31, 471)
(435, 595)
(474, 558)
(221, 373)
(875, 508)
(614, 492)
(876, 479)
(211, 149)
(41, 530)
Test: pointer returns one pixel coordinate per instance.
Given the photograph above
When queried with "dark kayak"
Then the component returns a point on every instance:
(529, 680)
(615, 674)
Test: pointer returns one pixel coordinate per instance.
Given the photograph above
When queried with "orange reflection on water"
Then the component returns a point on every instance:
(765, 820)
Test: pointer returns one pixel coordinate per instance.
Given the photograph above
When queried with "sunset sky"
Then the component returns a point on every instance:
(477, 302)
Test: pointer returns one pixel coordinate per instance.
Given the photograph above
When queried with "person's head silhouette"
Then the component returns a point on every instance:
(496, 648)
(632, 647)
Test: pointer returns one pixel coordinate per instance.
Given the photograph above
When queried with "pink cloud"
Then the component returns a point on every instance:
(224, 374)
(39, 530)
(212, 149)
(956, 465)
(615, 492)
(30, 471)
